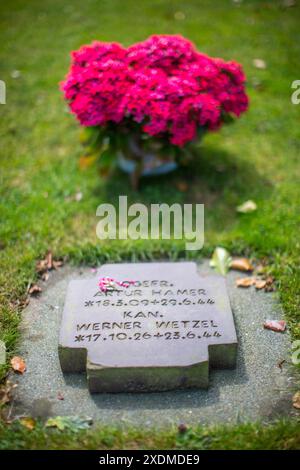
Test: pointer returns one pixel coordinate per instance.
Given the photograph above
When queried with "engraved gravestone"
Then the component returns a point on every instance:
(161, 332)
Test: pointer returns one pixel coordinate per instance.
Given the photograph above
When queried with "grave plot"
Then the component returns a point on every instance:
(163, 331)
(256, 388)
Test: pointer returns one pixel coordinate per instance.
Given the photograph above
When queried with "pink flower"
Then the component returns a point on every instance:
(162, 83)
(109, 284)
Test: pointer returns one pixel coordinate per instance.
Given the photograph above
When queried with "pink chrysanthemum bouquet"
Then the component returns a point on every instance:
(157, 94)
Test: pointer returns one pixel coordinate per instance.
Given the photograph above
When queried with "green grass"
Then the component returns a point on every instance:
(256, 158)
(281, 435)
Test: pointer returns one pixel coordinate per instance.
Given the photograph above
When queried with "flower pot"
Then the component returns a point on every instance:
(140, 162)
(152, 165)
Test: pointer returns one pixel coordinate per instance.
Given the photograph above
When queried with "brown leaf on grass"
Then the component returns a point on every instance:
(57, 264)
(49, 260)
(19, 303)
(182, 428)
(45, 276)
(86, 161)
(34, 289)
(296, 400)
(47, 264)
(260, 283)
(182, 186)
(18, 364)
(245, 282)
(28, 423)
(241, 264)
(278, 326)
(104, 172)
(24, 302)
(269, 287)
(6, 392)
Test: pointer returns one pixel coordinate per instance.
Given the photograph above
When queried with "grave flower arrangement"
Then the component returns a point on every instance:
(145, 105)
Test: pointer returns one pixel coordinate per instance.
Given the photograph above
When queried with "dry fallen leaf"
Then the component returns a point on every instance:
(241, 264)
(280, 363)
(34, 289)
(260, 283)
(6, 392)
(45, 276)
(182, 428)
(86, 161)
(248, 206)
(259, 64)
(104, 172)
(275, 325)
(182, 186)
(260, 269)
(296, 400)
(47, 264)
(57, 264)
(49, 260)
(245, 282)
(18, 364)
(28, 423)
(19, 303)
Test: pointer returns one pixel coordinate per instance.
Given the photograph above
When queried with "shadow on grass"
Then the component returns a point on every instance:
(216, 178)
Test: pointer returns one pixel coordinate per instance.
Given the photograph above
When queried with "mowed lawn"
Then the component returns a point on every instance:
(256, 158)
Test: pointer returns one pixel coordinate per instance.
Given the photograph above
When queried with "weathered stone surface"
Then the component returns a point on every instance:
(161, 333)
(255, 390)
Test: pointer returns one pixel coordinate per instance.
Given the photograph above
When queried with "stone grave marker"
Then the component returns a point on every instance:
(162, 332)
